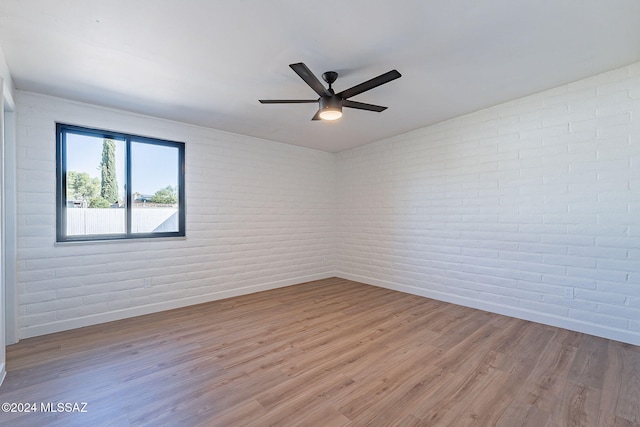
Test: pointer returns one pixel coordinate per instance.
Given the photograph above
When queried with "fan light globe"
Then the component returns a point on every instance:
(330, 107)
(331, 114)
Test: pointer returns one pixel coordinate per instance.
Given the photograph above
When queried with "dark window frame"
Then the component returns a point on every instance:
(61, 184)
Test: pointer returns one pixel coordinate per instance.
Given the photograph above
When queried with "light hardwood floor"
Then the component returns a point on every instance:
(325, 353)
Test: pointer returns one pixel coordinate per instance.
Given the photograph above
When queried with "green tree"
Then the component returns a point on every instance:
(80, 186)
(99, 202)
(109, 184)
(166, 196)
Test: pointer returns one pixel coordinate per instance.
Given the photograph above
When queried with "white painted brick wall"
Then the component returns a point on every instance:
(530, 208)
(260, 215)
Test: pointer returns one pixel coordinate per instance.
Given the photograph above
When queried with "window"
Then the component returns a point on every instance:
(112, 185)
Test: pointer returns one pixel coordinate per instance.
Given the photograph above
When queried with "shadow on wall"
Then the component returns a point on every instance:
(168, 225)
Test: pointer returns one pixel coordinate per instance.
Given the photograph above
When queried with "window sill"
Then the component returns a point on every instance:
(113, 241)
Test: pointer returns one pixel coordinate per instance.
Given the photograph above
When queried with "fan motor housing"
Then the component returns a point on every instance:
(330, 102)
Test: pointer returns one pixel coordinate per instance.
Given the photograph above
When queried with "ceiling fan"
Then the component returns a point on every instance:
(331, 103)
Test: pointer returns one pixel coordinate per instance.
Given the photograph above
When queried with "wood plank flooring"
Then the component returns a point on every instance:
(325, 353)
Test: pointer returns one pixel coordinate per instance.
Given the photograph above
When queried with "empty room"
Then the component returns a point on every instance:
(297, 213)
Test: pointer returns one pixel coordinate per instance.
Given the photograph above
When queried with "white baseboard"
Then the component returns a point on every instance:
(64, 325)
(534, 316)
(544, 318)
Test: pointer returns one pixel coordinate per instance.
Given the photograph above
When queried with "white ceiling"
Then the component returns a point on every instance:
(208, 62)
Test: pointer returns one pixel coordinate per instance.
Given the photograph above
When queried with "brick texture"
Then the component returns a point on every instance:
(260, 214)
(530, 208)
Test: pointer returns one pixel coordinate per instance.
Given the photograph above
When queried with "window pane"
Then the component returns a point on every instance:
(95, 185)
(154, 188)
(111, 185)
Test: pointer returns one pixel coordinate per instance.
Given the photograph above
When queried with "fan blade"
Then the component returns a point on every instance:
(370, 84)
(305, 73)
(287, 101)
(316, 116)
(362, 106)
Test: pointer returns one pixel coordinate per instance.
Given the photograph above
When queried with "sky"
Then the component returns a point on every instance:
(153, 166)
